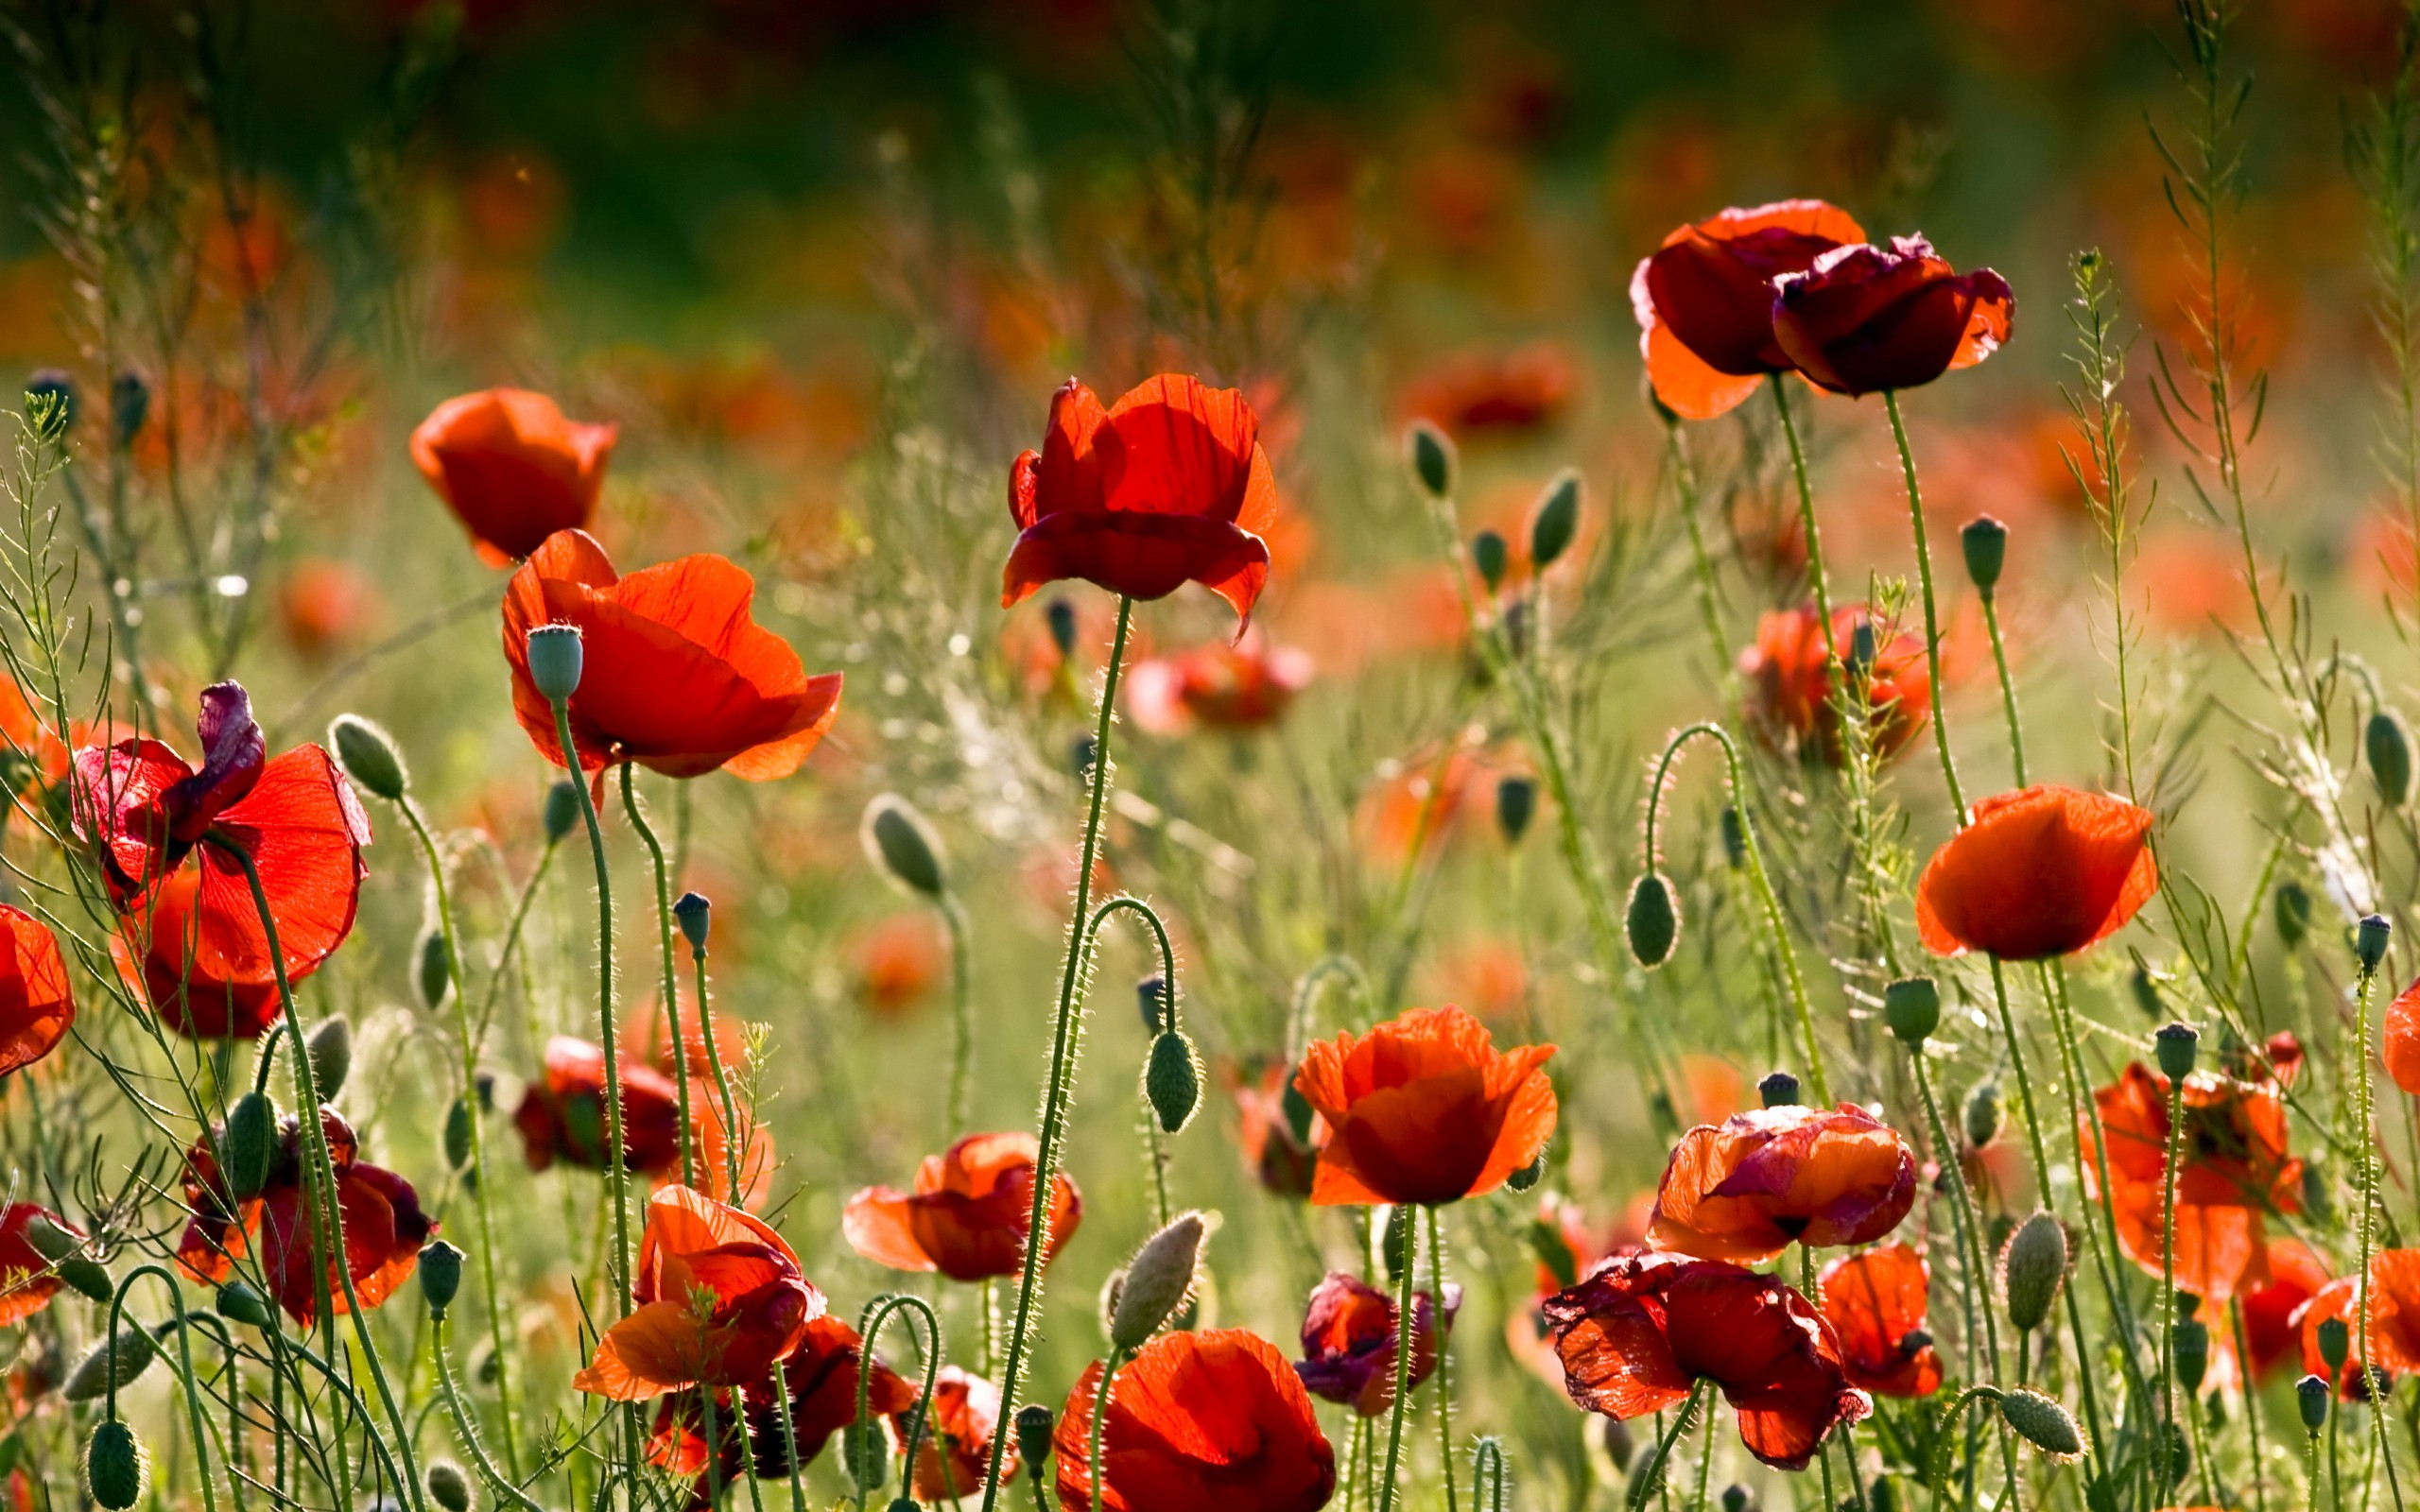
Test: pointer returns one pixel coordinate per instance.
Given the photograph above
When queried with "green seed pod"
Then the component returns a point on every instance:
(1490, 555)
(866, 1454)
(2387, 741)
(65, 1253)
(1557, 522)
(447, 1485)
(1060, 615)
(1912, 1006)
(1157, 1280)
(369, 756)
(1034, 1428)
(1778, 1088)
(1983, 1113)
(696, 916)
(2310, 1395)
(2369, 940)
(1738, 1498)
(329, 1048)
(2190, 1345)
(1883, 1495)
(1517, 804)
(1619, 1446)
(2170, 1454)
(1735, 837)
(247, 1144)
(239, 1302)
(903, 844)
(2175, 1047)
(458, 1134)
(441, 1275)
(2292, 910)
(2146, 990)
(2031, 1269)
(1530, 1174)
(2335, 1340)
(433, 972)
(1432, 458)
(1984, 540)
(1151, 1002)
(1396, 1248)
(116, 1361)
(555, 657)
(116, 1466)
(2043, 1423)
(1173, 1081)
(1653, 921)
(561, 810)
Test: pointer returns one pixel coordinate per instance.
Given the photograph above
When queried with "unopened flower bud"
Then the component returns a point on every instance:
(1172, 1081)
(2369, 940)
(1738, 1498)
(2310, 1395)
(1984, 540)
(241, 1303)
(2043, 1423)
(696, 916)
(2190, 1345)
(115, 1465)
(2335, 1340)
(447, 1485)
(50, 403)
(116, 1361)
(1432, 458)
(1151, 1001)
(440, 1276)
(1735, 837)
(2387, 741)
(2146, 990)
(555, 657)
(1034, 1428)
(866, 1455)
(2175, 1047)
(247, 1143)
(899, 842)
(1557, 521)
(1983, 1113)
(2291, 908)
(561, 810)
(458, 1128)
(2031, 1269)
(1912, 1006)
(329, 1048)
(1060, 614)
(1156, 1283)
(129, 406)
(1619, 1446)
(1517, 804)
(1490, 555)
(1530, 1174)
(432, 973)
(369, 756)
(1652, 921)
(1862, 652)
(65, 1254)
(1778, 1088)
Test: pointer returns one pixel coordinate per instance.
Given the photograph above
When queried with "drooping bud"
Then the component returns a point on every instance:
(369, 756)
(458, 1133)
(1151, 1001)
(2146, 990)
(440, 1276)
(1530, 1174)
(247, 1144)
(555, 659)
(1060, 614)
(1517, 804)
(1172, 1081)
(1912, 1006)
(432, 969)
(2369, 940)
(1432, 458)
(1157, 1280)
(2291, 908)
(696, 916)
(1983, 1113)
(902, 843)
(1652, 921)
(50, 403)
(65, 1254)
(116, 1361)
(447, 1485)
(2175, 1048)
(1490, 555)
(1034, 1428)
(329, 1048)
(116, 1466)
(238, 1301)
(2031, 1268)
(1984, 540)
(1557, 522)
(866, 1455)
(2310, 1395)
(2043, 1423)
(561, 810)
(1778, 1088)
(2190, 1345)
(1735, 837)
(129, 406)
(2387, 741)
(1738, 1498)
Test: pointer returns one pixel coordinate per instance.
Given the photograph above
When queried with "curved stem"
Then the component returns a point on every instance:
(862, 1422)
(184, 1364)
(1395, 1408)
(1306, 997)
(1932, 616)
(671, 976)
(466, 1432)
(1154, 1146)
(1487, 1476)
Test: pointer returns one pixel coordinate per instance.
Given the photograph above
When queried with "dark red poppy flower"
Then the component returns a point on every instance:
(1239, 687)
(512, 468)
(676, 673)
(1166, 487)
(2237, 1170)
(1281, 1161)
(36, 1007)
(1197, 1423)
(1705, 300)
(1425, 1109)
(2399, 1041)
(1748, 1188)
(1483, 393)
(27, 1279)
(384, 1225)
(1636, 1335)
(753, 1314)
(968, 1215)
(562, 1116)
(1349, 1342)
(1875, 1301)
(147, 812)
(819, 1384)
(955, 1452)
(2039, 872)
(1861, 320)
(1787, 676)
(2295, 1276)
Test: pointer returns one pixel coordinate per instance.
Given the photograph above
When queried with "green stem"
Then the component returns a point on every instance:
(961, 1013)
(1682, 1422)
(184, 1369)
(1395, 1408)
(862, 1424)
(1932, 616)
(2174, 1158)
(2008, 686)
(466, 1432)
(1684, 483)
(1097, 1430)
(671, 975)
(1438, 1330)
(1815, 577)
(732, 1137)
(2368, 1229)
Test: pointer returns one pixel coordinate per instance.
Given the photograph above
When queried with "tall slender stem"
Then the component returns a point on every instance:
(2008, 687)
(732, 1135)
(671, 975)
(1396, 1407)
(961, 1013)
(1098, 1429)
(1438, 1329)
(2368, 1226)
(2173, 1157)
(1684, 483)
(1815, 577)
(1932, 614)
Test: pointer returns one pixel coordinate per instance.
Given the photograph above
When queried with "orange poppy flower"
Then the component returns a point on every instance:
(512, 468)
(563, 1114)
(28, 1280)
(2237, 1168)
(1197, 1423)
(898, 959)
(1861, 320)
(2295, 1276)
(819, 1385)
(2399, 1039)
(968, 1214)
(1790, 688)
(1167, 486)
(1748, 1188)
(322, 604)
(1349, 1342)
(1280, 1163)
(677, 675)
(1705, 300)
(2394, 1343)
(36, 1007)
(720, 1301)
(2338, 1299)
(1425, 1109)
(2039, 872)
(1239, 687)
(1483, 393)
(956, 1451)
(1874, 1302)
(1635, 1336)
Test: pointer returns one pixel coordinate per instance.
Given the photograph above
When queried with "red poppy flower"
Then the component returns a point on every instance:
(720, 1301)
(1349, 1342)
(2295, 1276)
(1748, 1188)
(563, 1115)
(818, 1384)
(1705, 300)
(2237, 1169)
(1861, 320)
(677, 676)
(1280, 1161)
(1239, 687)
(898, 959)
(1197, 1423)
(956, 1451)
(29, 749)
(324, 603)
(2393, 1341)
(1874, 1302)
(384, 1226)
(1790, 690)
(1635, 1336)
(968, 1215)
(2399, 1039)
(1166, 487)
(148, 812)
(2039, 872)
(512, 468)
(1424, 1110)
(1497, 392)
(35, 1004)
(195, 992)
(28, 1280)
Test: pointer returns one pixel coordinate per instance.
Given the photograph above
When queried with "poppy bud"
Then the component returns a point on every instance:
(696, 916)
(2146, 990)
(65, 1253)
(1738, 1498)
(1156, 1283)
(1982, 1113)
(329, 1048)
(1652, 921)
(2031, 1269)
(555, 657)
(2369, 940)
(447, 1485)
(115, 1361)
(1517, 804)
(2190, 1345)
(2043, 1423)
(1985, 542)
(1034, 1427)
(1735, 837)
(369, 756)
(116, 1466)
(2174, 1047)
(433, 972)
(865, 1455)
(1080, 755)
(239, 1301)
(1172, 1081)
(458, 1134)
(1862, 652)
(2334, 1342)
(2310, 1395)
(1779, 1090)
(1299, 1113)
(561, 810)
(1530, 1174)
(2169, 1455)
(1882, 1495)
(1395, 1248)
(1912, 1006)
(2292, 907)
(50, 403)
(1150, 1000)
(129, 406)
(246, 1145)
(440, 1276)
(1620, 1447)
(1556, 521)
(1432, 458)
(1060, 614)
(899, 842)
(1490, 556)
(2388, 742)
(902, 1503)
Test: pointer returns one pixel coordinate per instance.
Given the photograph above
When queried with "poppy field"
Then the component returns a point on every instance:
(1192, 756)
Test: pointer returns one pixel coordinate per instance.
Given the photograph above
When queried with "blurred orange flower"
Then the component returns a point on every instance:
(512, 468)
(2237, 1169)
(1788, 679)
